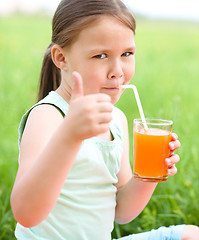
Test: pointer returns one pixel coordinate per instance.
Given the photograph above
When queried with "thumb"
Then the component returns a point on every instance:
(77, 87)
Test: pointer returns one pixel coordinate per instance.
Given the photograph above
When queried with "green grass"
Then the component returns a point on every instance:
(167, 78)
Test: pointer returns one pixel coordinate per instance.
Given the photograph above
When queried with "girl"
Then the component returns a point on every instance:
(74, 177)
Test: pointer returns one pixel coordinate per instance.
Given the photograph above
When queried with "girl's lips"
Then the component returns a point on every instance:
(112, 89)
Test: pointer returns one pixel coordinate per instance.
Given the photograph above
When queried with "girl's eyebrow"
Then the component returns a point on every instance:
(131, 49)
(96, 50)
(103, 50)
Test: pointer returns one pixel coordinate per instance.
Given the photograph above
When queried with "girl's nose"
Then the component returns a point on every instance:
(115, 70)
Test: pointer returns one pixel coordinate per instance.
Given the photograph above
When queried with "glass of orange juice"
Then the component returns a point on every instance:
(151, 148)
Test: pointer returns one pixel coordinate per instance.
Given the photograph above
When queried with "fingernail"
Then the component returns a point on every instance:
(175, 136)
(171, 146)
(168, 161)
(168, 171)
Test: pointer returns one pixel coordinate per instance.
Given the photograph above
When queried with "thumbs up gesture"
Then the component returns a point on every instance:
(89, 115)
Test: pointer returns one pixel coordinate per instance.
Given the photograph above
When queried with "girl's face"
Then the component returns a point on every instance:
(104, 55)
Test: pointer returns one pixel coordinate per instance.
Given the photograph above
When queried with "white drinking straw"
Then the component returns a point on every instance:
(138, 103)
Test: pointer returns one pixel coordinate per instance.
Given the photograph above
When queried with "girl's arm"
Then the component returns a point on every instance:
(48, 149)
(46, 156)
(133, 195)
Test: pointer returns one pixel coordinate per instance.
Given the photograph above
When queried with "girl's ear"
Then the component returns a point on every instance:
(58, 57)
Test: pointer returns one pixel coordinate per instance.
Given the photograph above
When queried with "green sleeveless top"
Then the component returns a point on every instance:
(85, 208)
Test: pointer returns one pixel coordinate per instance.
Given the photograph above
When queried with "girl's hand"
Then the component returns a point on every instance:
(174, 158)
(88, 115)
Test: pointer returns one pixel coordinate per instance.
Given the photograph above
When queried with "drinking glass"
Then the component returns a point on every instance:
(151, 148)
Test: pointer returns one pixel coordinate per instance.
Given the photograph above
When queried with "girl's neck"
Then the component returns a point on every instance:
(64, 93)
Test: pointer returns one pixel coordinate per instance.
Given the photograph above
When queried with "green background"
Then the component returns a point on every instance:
(167, 78)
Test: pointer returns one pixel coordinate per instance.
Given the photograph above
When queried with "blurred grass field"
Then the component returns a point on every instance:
(167, 78)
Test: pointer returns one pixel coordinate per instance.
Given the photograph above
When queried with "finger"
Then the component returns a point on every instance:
(102, 128)
(172, 171)
(77, 87)
(104, 118)
(101, 97)
(172, 160)
(174, 145)
(174, 136)
(172, 153)
(105, 107)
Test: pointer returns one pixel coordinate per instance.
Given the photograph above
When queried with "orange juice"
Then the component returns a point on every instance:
(151, 148)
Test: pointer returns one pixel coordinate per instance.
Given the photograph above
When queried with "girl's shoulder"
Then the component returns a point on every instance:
(46, 114)
(118, 113)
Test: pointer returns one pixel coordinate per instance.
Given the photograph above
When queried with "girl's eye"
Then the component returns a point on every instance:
(100, 56)
(126, 54)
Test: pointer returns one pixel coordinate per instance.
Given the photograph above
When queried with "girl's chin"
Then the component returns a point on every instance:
(115, 99)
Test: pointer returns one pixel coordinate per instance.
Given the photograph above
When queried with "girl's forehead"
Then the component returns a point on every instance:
(106, 20)
(106, 28)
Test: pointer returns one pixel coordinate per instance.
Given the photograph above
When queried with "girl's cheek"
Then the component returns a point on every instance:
(129, 76)
(130, 71)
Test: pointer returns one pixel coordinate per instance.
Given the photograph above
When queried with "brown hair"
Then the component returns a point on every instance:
(69, 19)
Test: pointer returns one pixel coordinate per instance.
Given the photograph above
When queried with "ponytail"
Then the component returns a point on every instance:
(50, 77)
